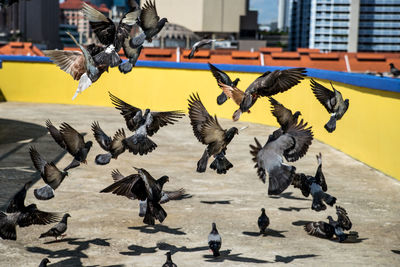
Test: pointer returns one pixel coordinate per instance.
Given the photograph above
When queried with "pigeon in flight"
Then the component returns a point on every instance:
(268, 84)
(79, 64)
(263, 221)
(68, 138)
(51, 175)
(208, 131)
(109, 34)
(291, 144)
(59, 229)
(143, 125)
(144, 187)
(284, 116)
(44, 262)
(200, 44)
(394, 71)
(132, 52)
(332, 101)
(328, 230)
(223, 78)
(114, 147)
(169, 262)
(214, 240)
(316, 186)
(19, 214)
(149, 20)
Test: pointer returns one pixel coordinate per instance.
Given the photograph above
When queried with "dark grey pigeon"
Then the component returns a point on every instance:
(341, 224)
(291, 145)
(19, 214)
(109, 34)
(59, 229)
(263, 221)
(316, 186)
(74, 143)
(132, 52)
(210, 133)
(394, 71)
(214, 240)
(114, 147)
(149, 21)
(268, 84)
(320, 229)
(44, 262)
(169, 262)
(283, 115)
(196, 46)
(50, 174)
(143, 125)
(332, 101)
(223, 78)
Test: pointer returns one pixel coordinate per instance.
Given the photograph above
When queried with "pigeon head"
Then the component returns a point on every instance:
(146, 112)
(162, 22)
(296, 114)
(32, 207)
(65, 173)
(391, 65)
(67, 215)
(163, 180)
(263, 210)
(231, 133)
(45, 261)
(168, 256)
(214, 226)
(235, 82)
(88, 144)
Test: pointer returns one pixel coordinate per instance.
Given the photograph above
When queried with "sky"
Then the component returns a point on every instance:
(267, 10)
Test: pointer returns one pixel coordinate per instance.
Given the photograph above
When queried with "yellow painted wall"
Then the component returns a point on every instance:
(369, 131)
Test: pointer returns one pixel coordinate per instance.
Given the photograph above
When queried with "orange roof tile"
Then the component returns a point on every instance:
(198, 54)
(245, 55)
(269, 50)
(307, 50)
(370, 56)
(286, 55)
(20, 48)
(77, 4)
(325, 56)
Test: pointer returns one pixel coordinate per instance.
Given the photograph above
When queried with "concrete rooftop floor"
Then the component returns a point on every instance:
(105, 230)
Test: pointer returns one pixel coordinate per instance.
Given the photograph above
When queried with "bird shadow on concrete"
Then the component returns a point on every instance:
(136, 250)
(222, 202)
(173, 249)
(268, 232)
(300, 223)
(148, 229)
(395, 251)
(288, 195)
(349, 241)
(292, 209)
(184, 196)
(289, 259)
(227, 256)
(76, 262)
(74, 255)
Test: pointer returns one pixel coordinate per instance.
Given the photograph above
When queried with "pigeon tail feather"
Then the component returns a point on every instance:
(44, 193)
(84, 83)
(7, 230)
(202, 163)
(108, 59)
(125, 67)
(141, 145)
(221, 165)
(103, 159)
(236, 114)
(331, 124)
(222, 98)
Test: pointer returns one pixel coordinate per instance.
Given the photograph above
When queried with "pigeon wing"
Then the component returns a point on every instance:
(17, 202)
(73, 140)
(52, 175)
(302, 138)
(124, 186)
(283, 115)
(116, 175)
(37, 160)
(325, 96)
(117, 147)
(102, 26)
(101, 137)
(161, 119)
(37, 217)
(148, 16)
(254, 149)
(212, 132)
(198, 115)
(72, 62)
(232, 92)
(127, 111)
(55, 133)
(219, 75)
(343, 219)
(125, 26)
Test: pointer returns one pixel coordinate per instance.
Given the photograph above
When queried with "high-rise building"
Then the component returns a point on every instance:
(284, 15)
(355, 25)
(299, 31)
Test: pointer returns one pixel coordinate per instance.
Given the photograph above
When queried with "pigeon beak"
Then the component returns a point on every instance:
(243, 128)
(137, 169)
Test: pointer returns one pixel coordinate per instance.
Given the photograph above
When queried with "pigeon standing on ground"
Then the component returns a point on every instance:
(263, 221)
(169, 262)
(208, 131)
(316, 186)
(114, 147)
(200, 44)
(19, 214)
(268, 84)
(291, 144)
(143, 125)
(214, 240)
(44, 262)
(332, 101)
(68, 138)
(149, 21)
(223, 78)
(51, 175)
(59, 229)
(79, 64)
(108, 34)
(394, 71)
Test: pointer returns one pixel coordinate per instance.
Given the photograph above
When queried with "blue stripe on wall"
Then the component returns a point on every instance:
(357, 79)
